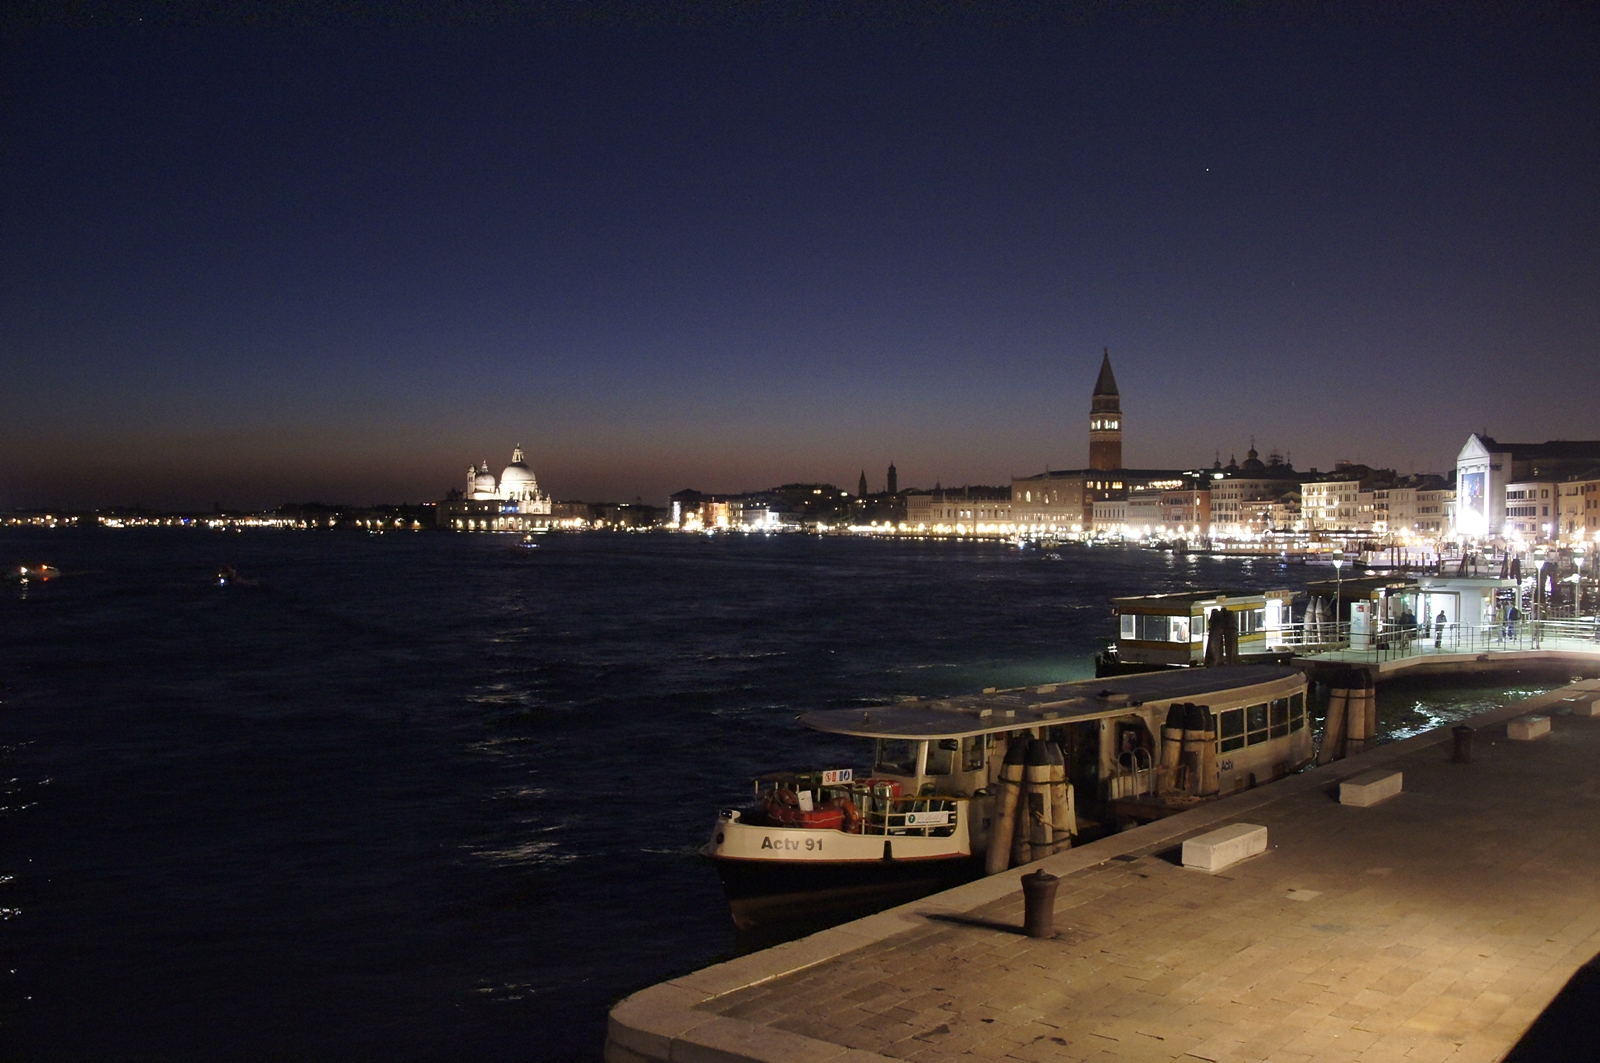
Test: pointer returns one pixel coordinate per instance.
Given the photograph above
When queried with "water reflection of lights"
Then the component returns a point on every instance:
(1442, 707)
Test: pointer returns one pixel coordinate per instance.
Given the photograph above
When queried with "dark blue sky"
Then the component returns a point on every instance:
(256, 265)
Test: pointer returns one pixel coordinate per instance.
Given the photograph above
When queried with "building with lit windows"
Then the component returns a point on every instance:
(1343, 500)
(1411, 508)
(1243, 494)
(1533, 510)
(962, 507)
(1580, 509)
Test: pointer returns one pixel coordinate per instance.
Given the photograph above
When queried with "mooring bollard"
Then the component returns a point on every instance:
(1039, 904)
(1463, 750)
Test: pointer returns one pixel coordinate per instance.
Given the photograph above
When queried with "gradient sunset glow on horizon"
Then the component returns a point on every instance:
(254, 267)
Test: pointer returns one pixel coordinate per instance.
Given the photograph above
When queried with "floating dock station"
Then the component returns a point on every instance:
(1424, 900)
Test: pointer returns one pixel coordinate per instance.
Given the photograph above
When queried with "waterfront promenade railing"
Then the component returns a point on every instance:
(1333, 642)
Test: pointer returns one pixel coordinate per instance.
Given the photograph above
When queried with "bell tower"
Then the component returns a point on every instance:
(1105, 421)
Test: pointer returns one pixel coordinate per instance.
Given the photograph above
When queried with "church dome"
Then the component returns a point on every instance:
(483, 484)
(517, 481)
(515, 475)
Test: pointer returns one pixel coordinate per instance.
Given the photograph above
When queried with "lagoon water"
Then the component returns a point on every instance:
(427, 796)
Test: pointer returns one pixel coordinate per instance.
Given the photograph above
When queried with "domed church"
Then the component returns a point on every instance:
(517, 484)
(514, 503)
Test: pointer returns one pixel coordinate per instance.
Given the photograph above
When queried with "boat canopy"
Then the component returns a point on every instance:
(1041, 706)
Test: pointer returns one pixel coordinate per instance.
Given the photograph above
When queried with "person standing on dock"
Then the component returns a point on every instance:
(1438, 629)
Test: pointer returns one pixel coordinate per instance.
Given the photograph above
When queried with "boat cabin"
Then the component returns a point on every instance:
(1116, 735)
(1171, 628)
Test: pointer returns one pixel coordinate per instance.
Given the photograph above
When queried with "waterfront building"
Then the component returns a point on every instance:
(1285, 513)
(1486, 469)
(1144, 514)
(1435, 512)
(1410, 508)
(1532, 509)
(1580, 509)
(1243, 495)
(1109, 516)
(966, 508)
(1342, 501)
(1187, 509)
(514, 502)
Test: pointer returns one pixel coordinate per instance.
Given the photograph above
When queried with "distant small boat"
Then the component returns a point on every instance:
(529, 542)
(227, 574)
(31, 572)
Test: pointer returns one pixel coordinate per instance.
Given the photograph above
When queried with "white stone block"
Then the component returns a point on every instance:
(1589, 706)
(1369, 787)
(1527, 728)
(1218, 849)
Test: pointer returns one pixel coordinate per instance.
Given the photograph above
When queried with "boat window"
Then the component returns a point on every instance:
(1280, 717)
(895, 756)
(972, 752)
(1297, 712)
(942, 756)
(1255, 721)
(1230, 729)
(1156, 628)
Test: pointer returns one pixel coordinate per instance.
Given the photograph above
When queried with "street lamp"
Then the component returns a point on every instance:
(1338, 592)
(1577, 591)
(1540, 603)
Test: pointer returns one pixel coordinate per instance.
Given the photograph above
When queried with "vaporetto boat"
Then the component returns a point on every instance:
(967, 785)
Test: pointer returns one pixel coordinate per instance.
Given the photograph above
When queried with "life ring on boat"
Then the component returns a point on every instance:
(852, 815)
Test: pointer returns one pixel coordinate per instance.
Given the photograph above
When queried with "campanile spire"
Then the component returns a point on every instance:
(1105, 420)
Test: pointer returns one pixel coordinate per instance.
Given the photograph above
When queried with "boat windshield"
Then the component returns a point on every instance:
(896, 756)
(942, 756)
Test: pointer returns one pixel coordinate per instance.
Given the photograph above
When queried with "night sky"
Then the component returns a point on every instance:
(254, 265)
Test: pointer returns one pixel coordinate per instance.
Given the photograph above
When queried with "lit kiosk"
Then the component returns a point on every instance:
(1382, 611)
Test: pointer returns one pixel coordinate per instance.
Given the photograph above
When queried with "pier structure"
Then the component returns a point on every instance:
(1408, 903)
(1463, 649)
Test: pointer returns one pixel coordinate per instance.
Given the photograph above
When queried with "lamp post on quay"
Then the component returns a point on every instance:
(1338, 593)
(1577, 589)
(1540, 604)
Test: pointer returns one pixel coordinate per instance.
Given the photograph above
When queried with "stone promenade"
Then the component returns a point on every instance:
(1436, 925)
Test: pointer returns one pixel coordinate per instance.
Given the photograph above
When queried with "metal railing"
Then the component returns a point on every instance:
(1134, 774)
(1395, 643)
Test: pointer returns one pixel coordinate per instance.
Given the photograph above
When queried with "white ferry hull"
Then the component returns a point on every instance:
(770, 873)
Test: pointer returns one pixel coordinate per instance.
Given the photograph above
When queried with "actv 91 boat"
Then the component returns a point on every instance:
(970, 785)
